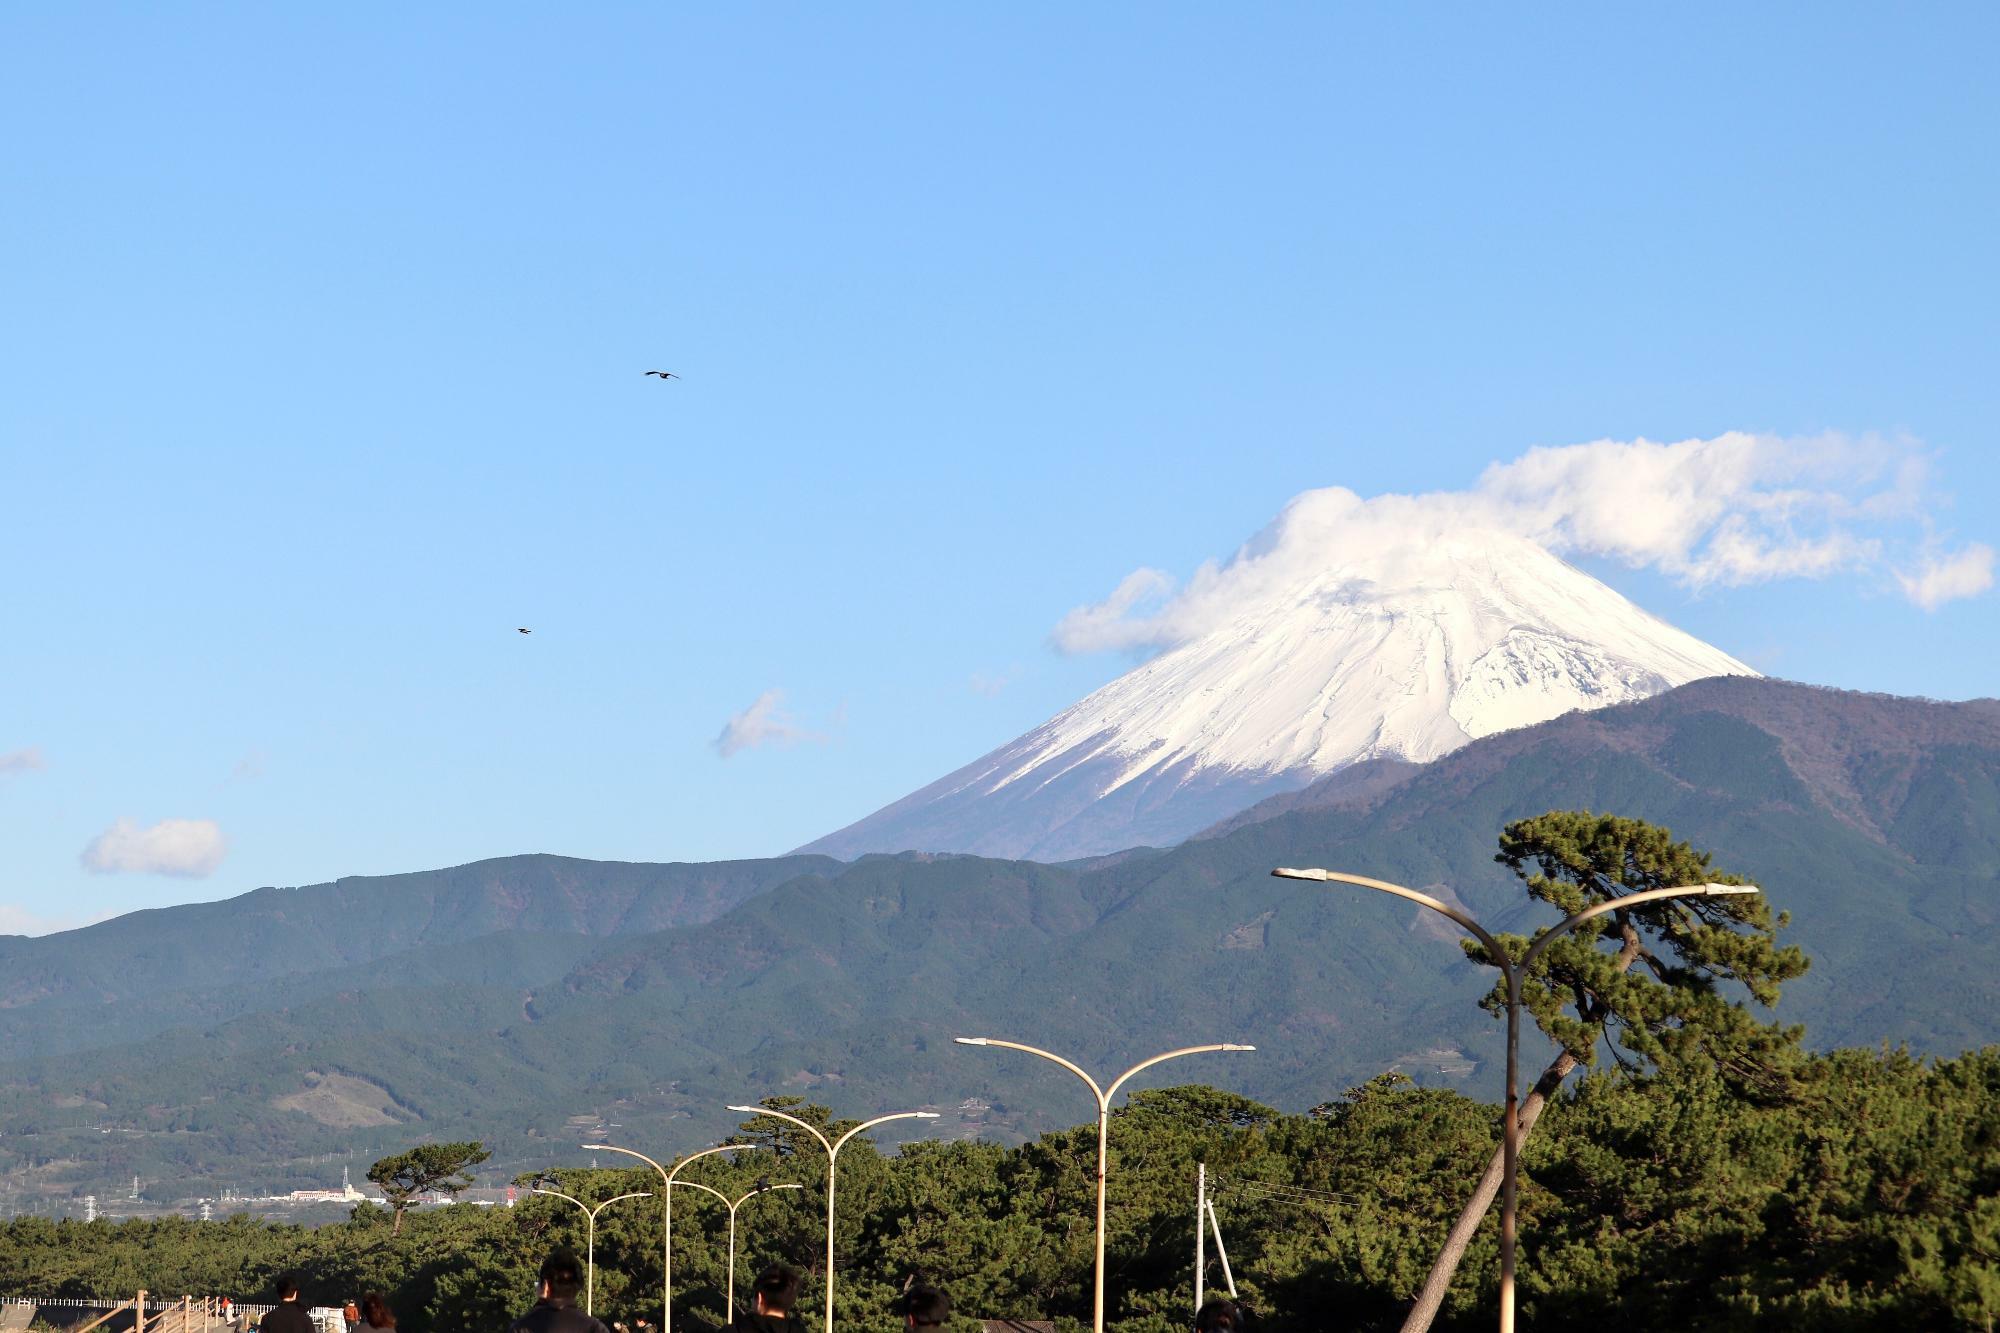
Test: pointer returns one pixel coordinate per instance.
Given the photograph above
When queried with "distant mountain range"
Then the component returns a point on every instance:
(1405, 654)
(537, 1001)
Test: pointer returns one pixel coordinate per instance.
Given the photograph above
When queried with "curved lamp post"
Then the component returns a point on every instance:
(667, 1194)
(730, 1290)
(590, 1243)
(1104, 1096)
(833, 1148)
(1510, 1130)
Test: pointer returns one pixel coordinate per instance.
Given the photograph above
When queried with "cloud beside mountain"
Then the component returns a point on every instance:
(1941, 579)
(185, 848)
(29, 760)
(765, 722)
(1735, 509)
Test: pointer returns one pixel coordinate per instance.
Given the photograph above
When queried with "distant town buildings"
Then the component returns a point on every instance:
(345, 1194)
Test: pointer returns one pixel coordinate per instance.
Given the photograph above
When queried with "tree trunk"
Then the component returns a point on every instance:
(1432, 1295)
(396, 1227)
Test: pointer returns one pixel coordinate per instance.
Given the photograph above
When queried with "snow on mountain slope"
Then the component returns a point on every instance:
(1403, 653)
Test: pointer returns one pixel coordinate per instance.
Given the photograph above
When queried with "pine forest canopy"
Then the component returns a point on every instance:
(1864, 1197)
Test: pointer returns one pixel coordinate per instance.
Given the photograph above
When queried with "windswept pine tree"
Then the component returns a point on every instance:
(428, 1168)
(1648, 981)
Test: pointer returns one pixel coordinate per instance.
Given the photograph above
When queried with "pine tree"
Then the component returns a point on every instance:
(428, 1168)
(1647, 977)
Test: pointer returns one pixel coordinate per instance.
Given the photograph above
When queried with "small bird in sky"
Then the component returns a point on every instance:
(519, 630)
(664, 374)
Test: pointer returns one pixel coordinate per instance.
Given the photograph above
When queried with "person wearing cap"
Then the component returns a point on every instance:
(923, 1307)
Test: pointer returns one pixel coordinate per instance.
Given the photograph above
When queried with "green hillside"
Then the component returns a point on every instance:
(208, 962)
(1875, 822)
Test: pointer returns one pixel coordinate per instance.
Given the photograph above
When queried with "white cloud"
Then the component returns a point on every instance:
(1111, 622)
(764, 722)
(23, 761)
(1965, 573)
(1735, 509)
(190, 848)
(993, 683)
(17, 920)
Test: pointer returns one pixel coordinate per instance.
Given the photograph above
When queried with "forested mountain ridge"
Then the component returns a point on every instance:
(206, 961)
(845, 982)
(1877, 761)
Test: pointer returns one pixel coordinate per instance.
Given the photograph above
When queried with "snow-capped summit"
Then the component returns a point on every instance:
(1400, 652)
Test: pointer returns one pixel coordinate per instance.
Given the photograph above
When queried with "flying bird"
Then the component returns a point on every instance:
(523, 631)
(663, 374)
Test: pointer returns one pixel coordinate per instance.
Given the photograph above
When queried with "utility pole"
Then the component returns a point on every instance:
(1200, 1231)
(1221, 1252)
(1204, 1221)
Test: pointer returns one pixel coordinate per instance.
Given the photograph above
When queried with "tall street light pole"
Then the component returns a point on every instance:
(730, 1289)
(590, 1241)
(667, 1194)
(1104, 1096)
(833, 1148)
(1510, 1130)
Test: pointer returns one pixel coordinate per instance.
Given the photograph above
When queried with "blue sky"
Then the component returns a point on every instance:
(326, 329)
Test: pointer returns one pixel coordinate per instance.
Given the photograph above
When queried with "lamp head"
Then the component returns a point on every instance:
(1236, 1046)
(595, 1147)
(748, 1110)
(927, 1115)
(1287, 872)
(1724, 890)
(970, 1041)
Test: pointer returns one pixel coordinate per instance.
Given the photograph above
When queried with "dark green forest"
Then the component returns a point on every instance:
(1865, 1196)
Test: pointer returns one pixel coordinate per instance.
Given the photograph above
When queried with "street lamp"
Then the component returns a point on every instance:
(667, 1194)
(1510, 1130)
(1104, 1096)
(730, 1289)
(832, 1152)
(590, 1242)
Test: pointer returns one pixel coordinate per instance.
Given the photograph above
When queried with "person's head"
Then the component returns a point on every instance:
(924, 1307)
(1220, 1315)
(562, 1276)
(288, 1289)
(776, 1288)
(375, 1311)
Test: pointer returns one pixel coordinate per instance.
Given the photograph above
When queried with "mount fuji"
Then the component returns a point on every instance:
(1399, 654)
